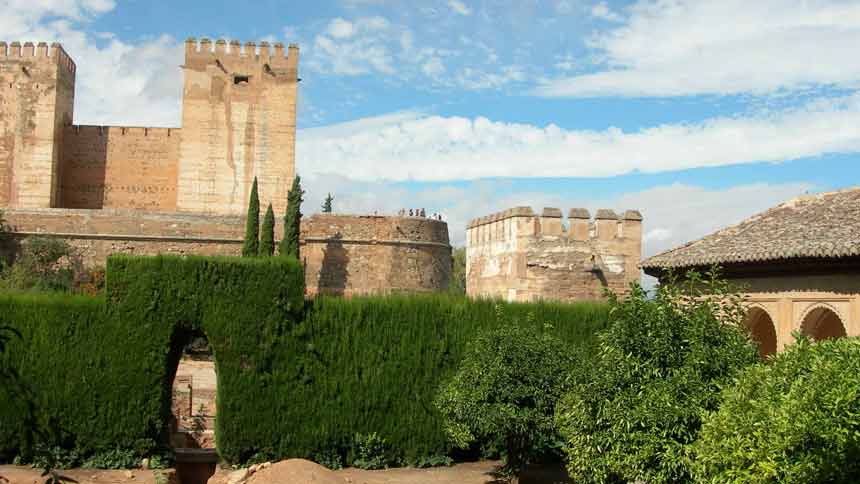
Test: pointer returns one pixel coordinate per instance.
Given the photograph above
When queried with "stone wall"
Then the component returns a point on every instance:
(99, 233)
(519, 256)
(342, 254)
(120, 167)
(349, 255)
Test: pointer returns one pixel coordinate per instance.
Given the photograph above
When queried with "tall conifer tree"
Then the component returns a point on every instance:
(252, 224)
(267, 235)
(326, 206)
(292, 220)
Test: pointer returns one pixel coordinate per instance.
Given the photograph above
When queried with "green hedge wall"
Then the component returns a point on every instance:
(294, 377)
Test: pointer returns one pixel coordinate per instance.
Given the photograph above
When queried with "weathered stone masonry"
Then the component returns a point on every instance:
(343, 254)
(518, 256)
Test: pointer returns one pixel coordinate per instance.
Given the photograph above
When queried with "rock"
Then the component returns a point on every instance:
(239, 476)
(129, 475)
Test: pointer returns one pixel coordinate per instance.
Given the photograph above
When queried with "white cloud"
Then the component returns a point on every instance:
(602, 11)
(459, 7)
(375, 45)
(118, 82)
(363, 46)
(423, 147)
(340, 28)
(688, 47)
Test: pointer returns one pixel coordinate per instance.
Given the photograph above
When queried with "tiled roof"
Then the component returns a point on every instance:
(826, 225)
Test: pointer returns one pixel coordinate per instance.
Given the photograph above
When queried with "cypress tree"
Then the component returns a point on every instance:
(292, 220)
(252, 224)
(267, 236)
(326, 206)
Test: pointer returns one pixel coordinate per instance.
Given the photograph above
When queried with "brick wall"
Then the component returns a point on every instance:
(118, 167)
(519, 256)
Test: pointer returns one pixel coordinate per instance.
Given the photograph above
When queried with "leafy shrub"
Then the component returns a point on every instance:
(43, 264)
(659, 370)
(329, 458)
(505, 391)
(370, 451)
(434, 461)
(113, 459)
(795, 419)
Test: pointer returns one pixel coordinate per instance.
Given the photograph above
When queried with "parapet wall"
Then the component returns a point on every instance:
(38, 52)
(120, 167)
(521, 256)
(342, 254)
(351, 255)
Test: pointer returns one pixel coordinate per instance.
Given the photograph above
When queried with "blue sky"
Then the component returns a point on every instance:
(697, 113)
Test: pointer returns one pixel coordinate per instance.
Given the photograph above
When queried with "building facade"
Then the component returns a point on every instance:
(798, 265)
(517, 255)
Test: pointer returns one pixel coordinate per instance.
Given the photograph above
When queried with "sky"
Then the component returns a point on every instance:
(697, 113)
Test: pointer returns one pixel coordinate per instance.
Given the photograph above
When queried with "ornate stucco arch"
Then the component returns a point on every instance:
(823, 321)
(762, 327)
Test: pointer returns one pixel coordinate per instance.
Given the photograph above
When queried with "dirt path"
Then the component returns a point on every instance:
(467, 473)
(28, 475)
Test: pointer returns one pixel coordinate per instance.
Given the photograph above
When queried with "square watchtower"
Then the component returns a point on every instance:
(37, 93)
(238, 122)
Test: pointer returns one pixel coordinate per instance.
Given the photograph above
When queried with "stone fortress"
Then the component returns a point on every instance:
(520, 256)
(108, 189)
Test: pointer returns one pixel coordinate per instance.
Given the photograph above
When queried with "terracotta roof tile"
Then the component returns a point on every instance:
(823, 225)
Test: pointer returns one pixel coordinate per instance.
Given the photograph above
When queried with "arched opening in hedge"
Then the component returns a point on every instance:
(762, 330)
(192, 384)
(822, 323)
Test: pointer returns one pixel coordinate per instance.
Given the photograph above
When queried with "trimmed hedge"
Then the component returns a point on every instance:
(295, 378)
(101, 374)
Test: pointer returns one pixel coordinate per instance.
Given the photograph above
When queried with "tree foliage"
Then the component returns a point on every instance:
(267, 235)
(793, 419)
(659, 370)
(251, 247)
(292, 220)
(505, 390)
(326, 206)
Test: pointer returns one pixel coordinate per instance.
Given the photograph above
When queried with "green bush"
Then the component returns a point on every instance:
(369, 451)
(43, 264)
(661, 363)
(505, 391)
(295, 378)
(795, 419)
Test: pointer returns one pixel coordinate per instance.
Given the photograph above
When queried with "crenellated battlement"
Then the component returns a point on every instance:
(207, 50)
(37, 52)
(130, 131)
(521, 255)
(524, 222)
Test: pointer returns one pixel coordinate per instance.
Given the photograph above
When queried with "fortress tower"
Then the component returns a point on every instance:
(37, 93)
(238, 122)
(518, 255)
